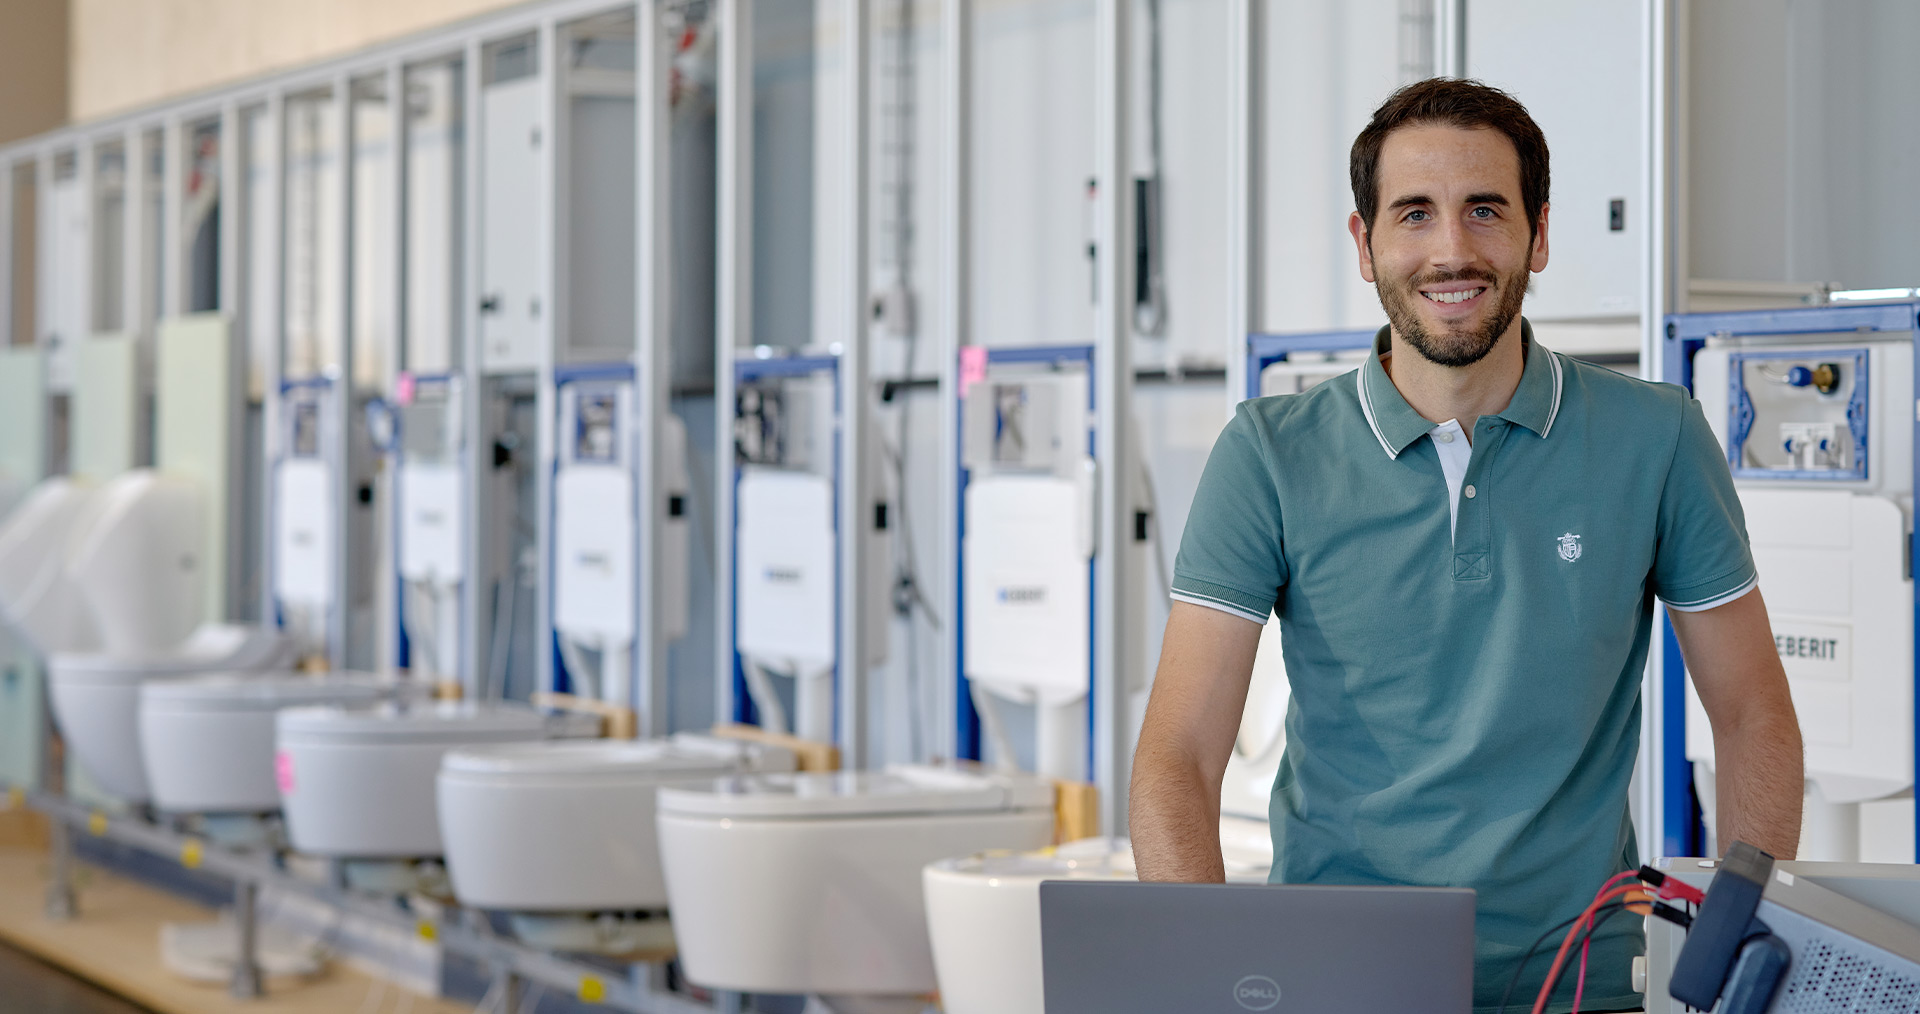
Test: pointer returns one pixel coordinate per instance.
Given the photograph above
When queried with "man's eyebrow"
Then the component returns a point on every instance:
(1488, 198)
(1409, 201)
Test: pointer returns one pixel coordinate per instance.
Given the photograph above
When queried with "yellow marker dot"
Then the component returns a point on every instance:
(97, 823)
(428, 931)
(191, 854)
(592, 990)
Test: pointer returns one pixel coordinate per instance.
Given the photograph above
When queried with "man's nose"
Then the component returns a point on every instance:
(1451, 250)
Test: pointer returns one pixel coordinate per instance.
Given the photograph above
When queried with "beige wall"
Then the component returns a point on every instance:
(33, 67)
(130, 53)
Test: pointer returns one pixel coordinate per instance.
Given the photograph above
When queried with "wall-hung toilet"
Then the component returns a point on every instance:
(96, 697)
(811, 883)
(562, 834)
(207, 741)
(358, 783)
(983, 915)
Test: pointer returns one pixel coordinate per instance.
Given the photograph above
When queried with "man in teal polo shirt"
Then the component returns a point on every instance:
(1463, 541)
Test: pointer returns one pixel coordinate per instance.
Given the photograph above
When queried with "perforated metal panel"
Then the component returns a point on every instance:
(1834, 974)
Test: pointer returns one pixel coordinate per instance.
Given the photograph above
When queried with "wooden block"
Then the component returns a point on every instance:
(448, 690)
(1076, 811)
(616, 722)
(811, 756)
(22, 828)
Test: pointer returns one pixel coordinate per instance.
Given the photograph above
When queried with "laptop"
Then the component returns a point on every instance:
(1119, 947)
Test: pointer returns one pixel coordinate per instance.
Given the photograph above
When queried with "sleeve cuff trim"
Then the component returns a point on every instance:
(1220, 604)
(1702, 605)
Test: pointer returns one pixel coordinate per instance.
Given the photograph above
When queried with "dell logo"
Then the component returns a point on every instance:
(783, 575)
(1031, 596)
(1256, 992)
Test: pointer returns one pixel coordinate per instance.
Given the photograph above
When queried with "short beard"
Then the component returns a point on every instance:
(1459, 347)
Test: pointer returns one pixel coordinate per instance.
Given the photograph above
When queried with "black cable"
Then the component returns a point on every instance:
(1541, 939)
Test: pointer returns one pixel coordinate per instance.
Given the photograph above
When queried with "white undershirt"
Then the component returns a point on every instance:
(1451, 441)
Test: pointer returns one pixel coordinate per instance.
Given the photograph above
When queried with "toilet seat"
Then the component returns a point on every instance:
(96, 696)
(569, 827)
(810, 883)
(359, 782)
(207, 741)
(983, 916)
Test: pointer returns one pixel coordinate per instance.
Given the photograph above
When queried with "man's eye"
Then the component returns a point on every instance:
(1483, 212)
(1416, 215)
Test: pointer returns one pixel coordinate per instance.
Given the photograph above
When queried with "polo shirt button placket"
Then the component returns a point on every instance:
(1473, 536)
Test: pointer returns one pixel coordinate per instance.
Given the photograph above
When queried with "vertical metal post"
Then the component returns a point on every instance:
(62, 902)
(7, 337)
(733, 312)
(476, 456)
(246, 982)
(88, 322)
(173, 274)
(1660, 770)
(385, 598)
(273, 260)
(954, 330)
(548, 261)
(346, 562)
(231, 299)
(1115, 651)
(653, 347)
(135, 312)
(1244, 144)
(856, 411)
(43, 241)
(1450, 38)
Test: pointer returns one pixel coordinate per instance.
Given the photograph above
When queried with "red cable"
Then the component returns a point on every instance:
(1579, 926)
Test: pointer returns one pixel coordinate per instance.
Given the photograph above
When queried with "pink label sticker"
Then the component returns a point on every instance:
(403, 389)
(973, 366)
(283, 771)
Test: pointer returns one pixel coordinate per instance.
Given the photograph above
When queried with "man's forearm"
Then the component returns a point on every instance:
(1761, 781)
(1174, 821)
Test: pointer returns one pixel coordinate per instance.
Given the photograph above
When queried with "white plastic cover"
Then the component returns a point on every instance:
(36, 598)
(784, 569)
(303, 534)
(141, 564)
(1028, 599)
(432, 522)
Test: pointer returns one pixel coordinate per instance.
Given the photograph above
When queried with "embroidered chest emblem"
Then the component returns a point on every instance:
(1569, 547)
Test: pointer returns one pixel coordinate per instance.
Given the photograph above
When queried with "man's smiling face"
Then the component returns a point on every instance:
(1450, 250)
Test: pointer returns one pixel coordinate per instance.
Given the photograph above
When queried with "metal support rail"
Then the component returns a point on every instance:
(513, 964)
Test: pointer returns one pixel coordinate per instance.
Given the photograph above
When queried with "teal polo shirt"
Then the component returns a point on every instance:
(1466, 690)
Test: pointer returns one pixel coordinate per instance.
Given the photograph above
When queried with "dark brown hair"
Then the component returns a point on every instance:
(1453, 102)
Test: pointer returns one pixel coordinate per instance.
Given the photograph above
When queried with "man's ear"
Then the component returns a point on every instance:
(1539, 261)
(1359, 230)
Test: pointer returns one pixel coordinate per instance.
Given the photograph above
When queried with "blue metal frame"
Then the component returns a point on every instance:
(1685, 335)
(562, 376)
(966, 716)
(1263, 350)
(748, 371)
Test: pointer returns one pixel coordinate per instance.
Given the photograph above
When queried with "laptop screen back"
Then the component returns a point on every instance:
(1112, 947)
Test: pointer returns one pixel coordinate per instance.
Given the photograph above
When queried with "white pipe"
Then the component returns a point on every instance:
(1004, 759)
(773, 714)
(585, 677)
(616, 672)
(1060, 740)
(1831, 832)
(446, 635)
(813, 704)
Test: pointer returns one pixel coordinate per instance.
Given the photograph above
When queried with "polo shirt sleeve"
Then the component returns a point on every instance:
(1230, 554)
(1702, 559)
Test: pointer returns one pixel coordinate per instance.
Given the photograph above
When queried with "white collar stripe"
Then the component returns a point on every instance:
(1366, 409)
(1554, 411)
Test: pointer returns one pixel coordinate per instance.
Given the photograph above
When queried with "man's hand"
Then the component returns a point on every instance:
(1756, 736)
(1193, 717)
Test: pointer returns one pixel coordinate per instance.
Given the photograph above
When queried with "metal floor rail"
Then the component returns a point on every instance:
(514, 965)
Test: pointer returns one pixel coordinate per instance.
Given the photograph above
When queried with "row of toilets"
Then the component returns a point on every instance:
(868, 890)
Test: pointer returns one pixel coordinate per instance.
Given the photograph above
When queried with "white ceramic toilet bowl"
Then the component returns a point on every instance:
(208, 740)
(96, 697)
(358, 783)
(983, 915)
(569, 826)
(811, 883)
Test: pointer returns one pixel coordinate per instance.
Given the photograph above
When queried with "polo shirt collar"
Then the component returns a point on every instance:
(1535, 402)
